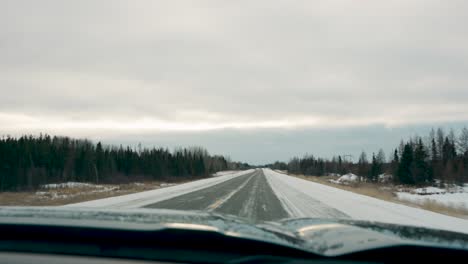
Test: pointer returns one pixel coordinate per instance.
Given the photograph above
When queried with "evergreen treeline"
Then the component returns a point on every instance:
(29, 161)
(439, 156)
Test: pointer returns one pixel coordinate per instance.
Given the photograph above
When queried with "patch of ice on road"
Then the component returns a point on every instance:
(149, 197)
(359, 207)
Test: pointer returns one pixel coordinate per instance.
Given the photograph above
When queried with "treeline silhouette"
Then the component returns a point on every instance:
(28, 161)
(419, 161)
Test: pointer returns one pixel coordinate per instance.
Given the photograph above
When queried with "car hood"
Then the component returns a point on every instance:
(328, 237)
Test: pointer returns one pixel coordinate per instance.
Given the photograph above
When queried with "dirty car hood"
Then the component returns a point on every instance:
(328, 237)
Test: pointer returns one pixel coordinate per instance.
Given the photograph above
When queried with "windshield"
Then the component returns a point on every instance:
(256, 110)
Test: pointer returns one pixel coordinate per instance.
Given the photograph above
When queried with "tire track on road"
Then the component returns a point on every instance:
(204, 198)
(249, 196)
(255, 201)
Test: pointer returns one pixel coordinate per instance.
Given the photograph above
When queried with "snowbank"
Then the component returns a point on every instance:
(384, 178)
(346, 179)
(282, 171)
(222, 173)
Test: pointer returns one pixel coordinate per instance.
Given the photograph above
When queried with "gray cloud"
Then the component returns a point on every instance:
(232, 64)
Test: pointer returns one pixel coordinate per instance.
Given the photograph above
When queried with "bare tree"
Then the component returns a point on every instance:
(451, 136)
(381, 156)
(440, 140)
(463, 141)
(363, 165)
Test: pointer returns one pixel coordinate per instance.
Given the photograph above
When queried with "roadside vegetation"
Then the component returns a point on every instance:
(438, 161)
(437, 158)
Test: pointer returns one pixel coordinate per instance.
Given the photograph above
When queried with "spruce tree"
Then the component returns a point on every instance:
(404, 169)
(375, 169)
(419, 167)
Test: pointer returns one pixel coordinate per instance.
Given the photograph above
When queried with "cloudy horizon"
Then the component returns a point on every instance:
(274, 78)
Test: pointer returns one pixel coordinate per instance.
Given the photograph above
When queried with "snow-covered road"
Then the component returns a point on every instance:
(269, 195)
(142, 199)
(301, 198)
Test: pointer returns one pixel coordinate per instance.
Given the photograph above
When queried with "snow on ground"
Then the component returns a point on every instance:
(222, 173)
(282, 171)
(346, 179)
(428, 191)
(57, 195)
(451, 197)
(448, 188)
(294, 192)
(454, 200)
(149, 197)
(167, 184)
(385, 178)
(69, 185)
(55, 191)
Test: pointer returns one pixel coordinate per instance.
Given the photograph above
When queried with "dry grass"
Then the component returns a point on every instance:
(62, 196)
(364, 188)
(386, 192)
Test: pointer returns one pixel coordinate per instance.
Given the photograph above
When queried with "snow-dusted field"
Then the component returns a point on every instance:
(453, 197)
(69, 185)
(54, 191)
(144, 198)
(300, 198)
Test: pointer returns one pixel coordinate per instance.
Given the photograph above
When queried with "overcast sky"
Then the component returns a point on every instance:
(257, 80)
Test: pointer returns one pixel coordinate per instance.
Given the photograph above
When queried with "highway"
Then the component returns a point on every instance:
(259, 195)
(248, 196)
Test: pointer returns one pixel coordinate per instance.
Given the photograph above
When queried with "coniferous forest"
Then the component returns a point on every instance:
(438, 156)
(27, 162)
(30, 161)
